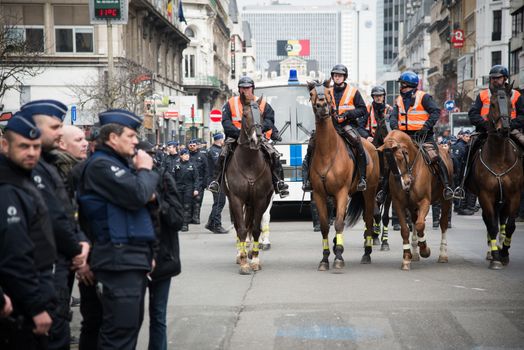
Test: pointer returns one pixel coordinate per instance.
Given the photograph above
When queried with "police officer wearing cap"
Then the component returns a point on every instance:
(172, 157)
(416, 113)
(72, 245)
(232, 121)
(199, 159)
(188, 183)
(27, 243)
(478, 114)
(116, 184)
(350, 108)
(214, 223)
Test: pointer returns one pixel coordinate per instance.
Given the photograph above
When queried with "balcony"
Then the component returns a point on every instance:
(202, 81)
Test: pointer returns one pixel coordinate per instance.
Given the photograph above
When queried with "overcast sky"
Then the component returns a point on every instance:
(242, 3)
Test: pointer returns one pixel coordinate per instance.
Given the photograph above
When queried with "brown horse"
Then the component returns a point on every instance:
(414, 187)
(248, 185)
(497, 178)
(333, 174)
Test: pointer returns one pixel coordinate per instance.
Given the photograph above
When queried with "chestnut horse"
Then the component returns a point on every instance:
(414, 187)
(333, 173)
(248, 185)
(496, 177)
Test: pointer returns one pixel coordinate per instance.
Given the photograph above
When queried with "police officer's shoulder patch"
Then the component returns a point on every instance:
(37, 179)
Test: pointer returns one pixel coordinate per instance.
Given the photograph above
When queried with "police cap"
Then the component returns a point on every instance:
(218, 136)
(184, 151)
(193, 142)
(121, 117)
(50, 108)
(172, 143)
(23, 125)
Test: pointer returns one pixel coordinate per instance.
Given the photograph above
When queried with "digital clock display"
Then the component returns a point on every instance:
(107, 13)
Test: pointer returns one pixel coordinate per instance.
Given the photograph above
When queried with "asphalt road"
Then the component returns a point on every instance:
(290, 305)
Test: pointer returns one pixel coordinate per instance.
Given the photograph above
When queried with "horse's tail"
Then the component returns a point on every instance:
(355, 209)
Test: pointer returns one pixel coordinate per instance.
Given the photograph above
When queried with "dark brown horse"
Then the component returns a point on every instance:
(413, 189)
(496, 177)
(333, 174)
(248, 185)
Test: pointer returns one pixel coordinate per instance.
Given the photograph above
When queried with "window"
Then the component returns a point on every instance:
(189, 33)
(517, 21)
(32, 36)
(496, 57)
(189, 66)
(514, 62)
(497, 25)
(74, 39)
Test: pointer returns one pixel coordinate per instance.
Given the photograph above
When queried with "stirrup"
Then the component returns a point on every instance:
(459, 193)
(283, 193)
(447, 193)
(381, 197)
(214, 186)
(306, 187)
(282, 186)
(362, 185)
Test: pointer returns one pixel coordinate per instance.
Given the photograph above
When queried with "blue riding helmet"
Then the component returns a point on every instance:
(498, 71)
(409, 78)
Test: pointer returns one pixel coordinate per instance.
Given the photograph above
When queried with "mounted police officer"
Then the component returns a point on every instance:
(27, 243)
(350, 108)
(199, 158)
(377, 112)
(72, 245)
(113, 197)
(416, 114)
(188, 183)
(478, 114)
(232, 121)
(214, 223)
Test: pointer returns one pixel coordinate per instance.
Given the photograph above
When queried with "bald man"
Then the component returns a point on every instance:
(74, 142)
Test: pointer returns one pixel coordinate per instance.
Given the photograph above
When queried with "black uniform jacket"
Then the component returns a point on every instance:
(231, 130)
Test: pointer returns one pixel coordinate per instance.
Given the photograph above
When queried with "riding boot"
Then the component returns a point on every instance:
(354, 140)
(280, 186)
(444, 176)
(518, 137)
(195, 219)
(214, 186)
(435, 210)
(314, 216)
(382, 194)
(306, 184)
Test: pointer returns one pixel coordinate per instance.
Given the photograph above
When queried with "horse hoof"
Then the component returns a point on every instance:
(406, 265)
(256, 267)
(338, 265)
(489, 256)
(266, 246)
(504, 260)
(496, 265)
(245, 269)
(366, 259)
(442, 259)
(425, 253)
(415, 257)
(385, 246)
(376, 241)
(323, 266)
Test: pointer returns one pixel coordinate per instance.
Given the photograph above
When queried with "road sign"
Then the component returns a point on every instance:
(215, 116)
(457, 38)
(102, 11)
(73, 114)
(449, 105)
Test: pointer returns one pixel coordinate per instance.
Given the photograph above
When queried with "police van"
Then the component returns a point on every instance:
(295, 121)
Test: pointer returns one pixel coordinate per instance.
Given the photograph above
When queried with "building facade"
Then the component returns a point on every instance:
(147, 52)
(516, 52)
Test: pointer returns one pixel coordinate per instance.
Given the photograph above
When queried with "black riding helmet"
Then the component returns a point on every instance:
(377, 91)
(498, 71)
(340, 69)
(245, 82)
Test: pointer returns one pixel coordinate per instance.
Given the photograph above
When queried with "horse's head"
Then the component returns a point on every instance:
(500, 108)
(251, 131)
(320, 98)
(399, 155)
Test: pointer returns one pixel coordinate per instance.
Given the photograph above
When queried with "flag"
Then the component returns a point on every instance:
(293, 48)
(170, 10)
(181, 17)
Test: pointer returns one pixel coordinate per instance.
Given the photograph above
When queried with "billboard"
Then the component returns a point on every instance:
(293, 48)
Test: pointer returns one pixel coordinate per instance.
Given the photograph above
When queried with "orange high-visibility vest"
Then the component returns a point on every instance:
(485, 96)
(416, 115)
(346, 102)
(236, 108)
(371, 124)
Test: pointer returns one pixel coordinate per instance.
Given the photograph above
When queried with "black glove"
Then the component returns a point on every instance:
(275, 136)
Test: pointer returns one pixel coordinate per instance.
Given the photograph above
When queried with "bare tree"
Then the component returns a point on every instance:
(126, 90)
(20, 56)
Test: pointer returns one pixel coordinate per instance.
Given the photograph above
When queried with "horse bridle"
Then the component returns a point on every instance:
(321, 94)
(502, 100)
(257, 123)
(393, 165)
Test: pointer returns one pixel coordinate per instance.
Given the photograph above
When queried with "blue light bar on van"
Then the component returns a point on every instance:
(293, 78)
